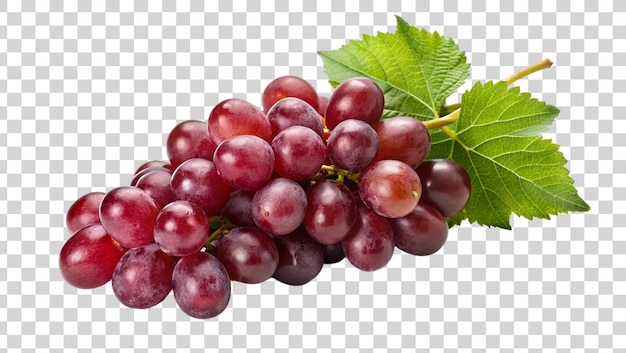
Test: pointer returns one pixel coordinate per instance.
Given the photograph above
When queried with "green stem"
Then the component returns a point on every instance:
(225, 227)
(543, 64)
(443, 121)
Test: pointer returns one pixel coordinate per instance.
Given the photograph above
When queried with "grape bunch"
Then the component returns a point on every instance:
(258, 193)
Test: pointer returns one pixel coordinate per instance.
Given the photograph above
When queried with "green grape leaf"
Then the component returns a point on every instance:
(513, 170)
(415, 69)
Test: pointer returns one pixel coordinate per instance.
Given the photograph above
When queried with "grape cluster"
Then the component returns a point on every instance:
(253, 194)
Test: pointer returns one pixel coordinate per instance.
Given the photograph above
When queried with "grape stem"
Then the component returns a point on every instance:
(341, 174)
(441, 122)
(224, 226)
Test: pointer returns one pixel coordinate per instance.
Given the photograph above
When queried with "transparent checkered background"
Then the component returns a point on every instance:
(89, 90)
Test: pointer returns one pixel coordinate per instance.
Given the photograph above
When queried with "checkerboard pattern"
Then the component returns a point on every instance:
(90, 89)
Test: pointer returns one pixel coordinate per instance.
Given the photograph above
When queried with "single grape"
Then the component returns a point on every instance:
(181, 228)
(352, 145)
(391, 188)
(238, 209)
(245, 162)
(300, 258)
(299, 153)
(421, 232)
(88, 258)
(84, 211)
(369, 245)
(279, 206)
(402, 138)
(157, 185)
(249, 254)
(128, 213)
(196, 180)
(333, 253)
(201, 285)
(294, 112)
(331, 211)
(234, 117)
(143, 277)
(289, 86)
(189, 139)
(356, 98)
(445, 185)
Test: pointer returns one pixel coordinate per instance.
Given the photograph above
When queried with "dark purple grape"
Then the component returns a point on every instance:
(84, 211)
(189, 139)
(331, 211)
(143, 277)
(323, 103)
(238, 209)
(234, 117)
(390, 188)
(299, 153)
(356, 98)
(249, 254)
(369, 245)
(294, 112)
(88, 258)
(300, 258)
(201, 285)
(289, 86)
(279, 206)
(333, 253)
(128, 213)
(196, 180)
(245, 162)
(402, 138)
(352, 145)
(181, 228)
(157, 185)
(421, 232)
(445, 185)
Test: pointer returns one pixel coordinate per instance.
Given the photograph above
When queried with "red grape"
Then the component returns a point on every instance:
(293, 111)
(369, 245)
(402, 138)
(201, 285)
(279, 206)
(289, 86)
(88, 258)
(181, 228)
(234, 117)
(143, 277)
(391, 188)
(189, 139)
(84, 211)
(300, 258)
(331, 211)
(421, 232)
(128, 213)
(196, 180)
(445, 185)
(157, 185)
(249, 254)
(299, 153)
(356, 98)
(352, 145)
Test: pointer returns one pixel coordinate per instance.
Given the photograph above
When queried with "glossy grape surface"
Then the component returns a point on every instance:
(88, 258)
(157, 185)
(421, 232)
(234, 117)
(289, 86)
(294, 112)
(278, 208)
(128, 213)
(84, 211)
(391, 188)
(299, 153)
(181, 228)
(356, 98)
(402, 138)
(189, 139)
(352, 145)
(300, 258)
(245, 162)
(445, 185)
(248, 254)
(331, 211)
